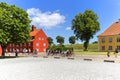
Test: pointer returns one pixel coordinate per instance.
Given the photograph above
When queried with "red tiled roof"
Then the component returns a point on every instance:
(114, 29)
(33, 33)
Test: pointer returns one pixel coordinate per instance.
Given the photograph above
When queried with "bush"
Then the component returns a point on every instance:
(61, 48)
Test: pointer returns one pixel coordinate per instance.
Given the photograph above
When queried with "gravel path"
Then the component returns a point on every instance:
(37, 68)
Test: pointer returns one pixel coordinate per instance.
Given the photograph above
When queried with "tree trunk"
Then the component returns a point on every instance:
(3, 50)
(86, 43)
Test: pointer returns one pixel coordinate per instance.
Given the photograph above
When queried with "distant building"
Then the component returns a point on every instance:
(38, 42)
(110, 38)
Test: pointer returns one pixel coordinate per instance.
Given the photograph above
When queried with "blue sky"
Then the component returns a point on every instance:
(55, 16)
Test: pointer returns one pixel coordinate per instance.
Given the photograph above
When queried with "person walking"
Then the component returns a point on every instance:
(108, 53)
(116, 52)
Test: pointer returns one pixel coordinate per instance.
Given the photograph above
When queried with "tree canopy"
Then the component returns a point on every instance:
(50, 41)
(60, 39)
(72, 39)
(14, 25)
(85, 26)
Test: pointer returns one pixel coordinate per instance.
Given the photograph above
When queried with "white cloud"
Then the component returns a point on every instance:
(68, 28)
(46, 19)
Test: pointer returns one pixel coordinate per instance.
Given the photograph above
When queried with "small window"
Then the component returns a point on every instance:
(118, 47)
(44, 44)
(37, 49)
(39, 38)
(103, 48)
(118, 39)
(110, 39)
(103, 40)
(37, 44)
(110, 47)
(44, 49)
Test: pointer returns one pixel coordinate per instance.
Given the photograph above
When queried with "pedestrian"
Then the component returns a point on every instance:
(16, 53)
(108, 53)
(116, 52)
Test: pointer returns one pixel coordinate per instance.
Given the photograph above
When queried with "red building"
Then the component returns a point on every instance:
(38, 42)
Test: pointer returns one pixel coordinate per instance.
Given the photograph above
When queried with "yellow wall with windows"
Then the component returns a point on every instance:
(114, 42)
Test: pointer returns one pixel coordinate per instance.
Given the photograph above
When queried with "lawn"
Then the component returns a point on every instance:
(90, 52)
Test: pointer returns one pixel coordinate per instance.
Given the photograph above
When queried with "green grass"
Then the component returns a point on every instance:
(92, 50)
(89, 53)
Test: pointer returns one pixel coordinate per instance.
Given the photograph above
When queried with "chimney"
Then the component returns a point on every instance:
(33, 28)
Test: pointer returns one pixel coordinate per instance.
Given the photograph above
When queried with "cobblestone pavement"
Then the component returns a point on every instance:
(38, 68)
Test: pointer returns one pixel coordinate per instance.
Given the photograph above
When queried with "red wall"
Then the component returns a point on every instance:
(0, 50)
(41, 39)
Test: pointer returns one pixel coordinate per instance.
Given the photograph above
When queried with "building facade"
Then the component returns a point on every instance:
(110, 38)
(38, 42)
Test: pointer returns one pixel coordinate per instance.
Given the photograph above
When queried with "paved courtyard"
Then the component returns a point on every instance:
(38, 68)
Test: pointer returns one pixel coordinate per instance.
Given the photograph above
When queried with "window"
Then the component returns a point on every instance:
(118, 47)
(110, 39)
(110, 47)
(103, 48)
(37, 49)
(103, 40)
(39, 38)
(44, 44)
(29, 50)
(44, 49)
(118, 39)
(37, 44)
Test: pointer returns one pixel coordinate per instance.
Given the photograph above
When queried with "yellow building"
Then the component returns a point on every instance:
(110, 38)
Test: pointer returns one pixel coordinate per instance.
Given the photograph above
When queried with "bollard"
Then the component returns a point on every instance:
(87, 59)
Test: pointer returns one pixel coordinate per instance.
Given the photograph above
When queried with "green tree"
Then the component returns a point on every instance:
(14, 26)
(72, 39)
(85, 26)
(50, 41)
(95, 42)
(60, 40)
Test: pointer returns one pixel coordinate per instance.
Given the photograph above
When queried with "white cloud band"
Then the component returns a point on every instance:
(46, 19)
